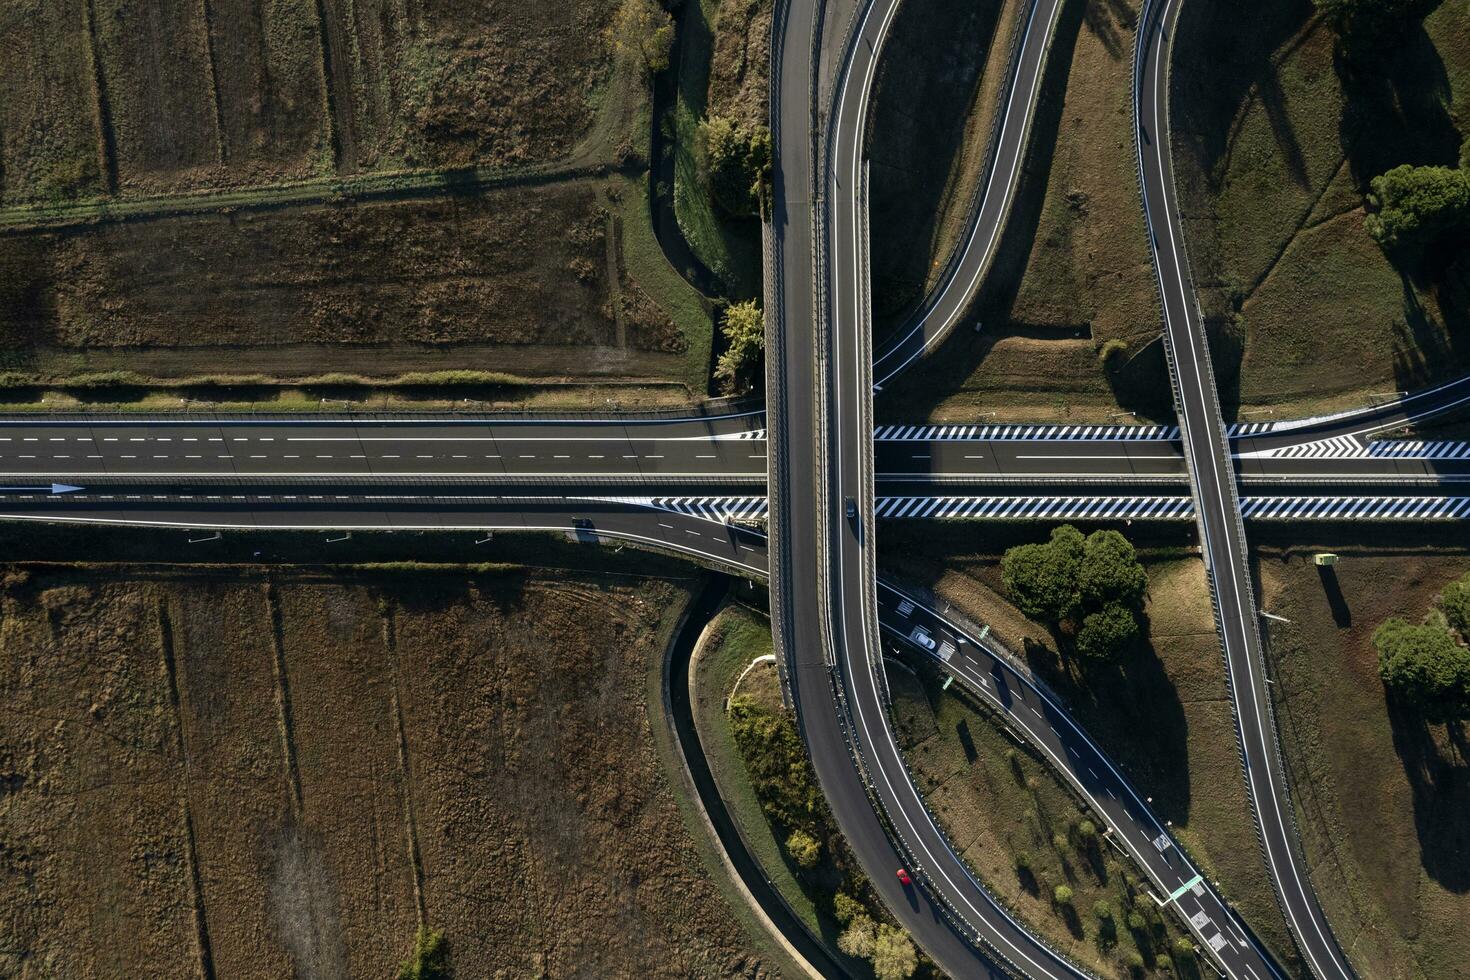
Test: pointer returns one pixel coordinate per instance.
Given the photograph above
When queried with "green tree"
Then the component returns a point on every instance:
(893, 954)
(1455, 601)
(1042, 578)
(1108, 632)
(1423, 665)
(1110, 572)
(859, 937)
(737, 165)
(1413, 207)
(644, 31)
(744, 328)
(804, 849)
(430, 959)
(1062, 895)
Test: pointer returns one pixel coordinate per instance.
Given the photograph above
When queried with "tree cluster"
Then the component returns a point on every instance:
(1426, 665)
(1089, 588)
(744, 330)
(887, 947)
(737, 165)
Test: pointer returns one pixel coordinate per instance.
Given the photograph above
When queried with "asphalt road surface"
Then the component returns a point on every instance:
(1213, 481)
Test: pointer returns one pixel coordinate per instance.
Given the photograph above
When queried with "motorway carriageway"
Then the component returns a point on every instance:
(730, 450)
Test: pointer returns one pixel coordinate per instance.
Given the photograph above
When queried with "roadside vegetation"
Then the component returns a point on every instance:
(1028, 837)
(1159, 708)
(761, 767)
(1370, 699)
(720, 138)
(1326, 205)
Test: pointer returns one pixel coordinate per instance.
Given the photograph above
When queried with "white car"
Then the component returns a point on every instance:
(923, 639)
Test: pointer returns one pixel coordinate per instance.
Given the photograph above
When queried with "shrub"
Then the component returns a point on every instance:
(1183, 947)
(845, 908)
(1113, 353)
(1424, 666)
(430, 959)
(1087, 830)
(1455, 601)
(644, 31)
(804, 849)
(777, 763)
(1062, 895)
(1413, 207)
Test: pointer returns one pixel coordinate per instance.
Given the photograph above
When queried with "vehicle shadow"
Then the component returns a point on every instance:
(1342, 616)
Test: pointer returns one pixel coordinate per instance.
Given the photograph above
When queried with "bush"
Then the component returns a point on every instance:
(644, 31)
(777, 763)
(1413, 207)
(1455, 601)
(1183, 947)
(1087, 830)
(893, 954)
(744, 329)
(1113, 353)
(737, 165)
(1108, 633)
(845, 908)
(1062, 895)
(804, 849)
(1425, 667)
(430, 959)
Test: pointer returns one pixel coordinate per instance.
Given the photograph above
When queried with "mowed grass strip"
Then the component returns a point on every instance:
(1275, 142)
(1381, 796)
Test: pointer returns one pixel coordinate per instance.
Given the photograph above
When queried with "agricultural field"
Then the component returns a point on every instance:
(1274, 147)
(1381, 794)
(118, 97)
(1072, 271)
(529, 282)
(245, 772)
(1162, 712)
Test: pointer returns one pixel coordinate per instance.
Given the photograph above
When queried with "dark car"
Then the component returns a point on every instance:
(851, 509)
(581, 524)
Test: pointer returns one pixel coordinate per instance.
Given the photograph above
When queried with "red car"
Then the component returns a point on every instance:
(903, 878)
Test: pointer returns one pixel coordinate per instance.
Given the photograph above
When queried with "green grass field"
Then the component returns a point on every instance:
(1274, 146)
(1163, 714)
(1381, 796)
(1003, 807)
